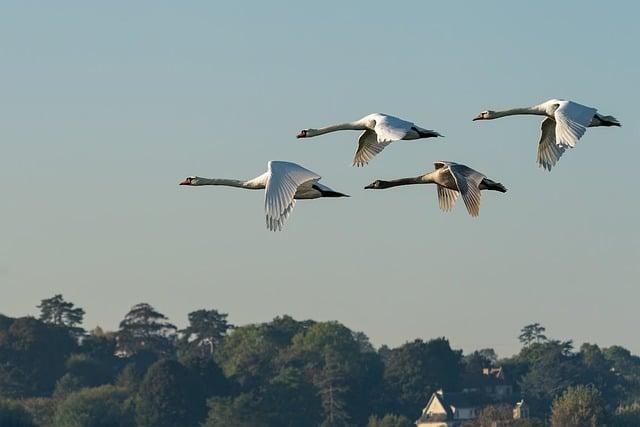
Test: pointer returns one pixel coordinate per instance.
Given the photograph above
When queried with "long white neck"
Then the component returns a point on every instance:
(226, 182)
(334, 128)
(519, 111)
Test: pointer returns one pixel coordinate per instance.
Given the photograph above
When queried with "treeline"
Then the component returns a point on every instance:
(283, 373)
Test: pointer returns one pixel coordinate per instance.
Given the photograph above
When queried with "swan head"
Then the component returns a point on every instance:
(191, 180)
(376, 185)
(303, 133)
(486, 115)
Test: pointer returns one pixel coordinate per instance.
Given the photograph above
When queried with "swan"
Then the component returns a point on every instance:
(284, 182)
(564, 125)
(452, 179)
(379, 130)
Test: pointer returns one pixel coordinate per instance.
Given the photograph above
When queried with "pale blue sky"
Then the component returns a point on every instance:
(107, 106)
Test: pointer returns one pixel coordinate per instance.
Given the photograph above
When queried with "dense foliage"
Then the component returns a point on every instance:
(286, 373)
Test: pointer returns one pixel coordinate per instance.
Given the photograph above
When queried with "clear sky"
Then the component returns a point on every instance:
(106, 106)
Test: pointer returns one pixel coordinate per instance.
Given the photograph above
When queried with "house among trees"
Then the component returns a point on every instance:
(448, 410)
(495, 384)
(454, 409)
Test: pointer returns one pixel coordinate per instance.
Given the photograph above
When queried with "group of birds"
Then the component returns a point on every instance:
(285, 182)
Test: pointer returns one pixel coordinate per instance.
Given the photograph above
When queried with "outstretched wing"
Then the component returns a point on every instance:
(548, 151)
(468, 182)
(446, 198)
(389, 128)
(368, 148)
(284, 180)
(572, 120)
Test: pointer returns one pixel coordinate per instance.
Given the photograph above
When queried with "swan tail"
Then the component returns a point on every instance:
(488, 184)
(599, 120)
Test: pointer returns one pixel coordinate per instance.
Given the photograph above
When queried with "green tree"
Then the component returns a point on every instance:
(346, 372)
(105, 406)
(41, 410)
(552, 368)
(205, 332)
(389, 420)
(12, 414)
(59, 312)
(32, 357)
(240, 411)
(291, 400)
(144, 328)
(532, 333)
(580, 406)
(169, 396)
(417, 369)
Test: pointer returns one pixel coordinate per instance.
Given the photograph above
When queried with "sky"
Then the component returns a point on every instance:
(106, 106)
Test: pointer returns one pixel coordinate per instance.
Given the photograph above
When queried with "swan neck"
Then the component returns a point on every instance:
(518, 111)
(402, 181)
(334, 128)
(226, 182)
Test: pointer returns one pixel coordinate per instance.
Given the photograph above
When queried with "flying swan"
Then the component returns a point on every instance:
(565, 123)
(379, 130)
(452, 179)
(284, 182)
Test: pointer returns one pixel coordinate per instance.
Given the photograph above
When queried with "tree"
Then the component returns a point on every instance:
(205, 332)
(13, 414)
(169, 396)
(532, 333)
(104, 406)
(552, 368)
(59, 312)
(290, 400)
(390, 420)
(239, 411)
(143, 328)
(580, 406)
(32, 357)
(417, 369)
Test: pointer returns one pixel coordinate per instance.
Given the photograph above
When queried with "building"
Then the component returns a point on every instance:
(449, 410)
(454, 409)
(495, 384)
(520, 411)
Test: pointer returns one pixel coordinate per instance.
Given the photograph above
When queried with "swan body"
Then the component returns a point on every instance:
(379, 130)
(564, 125)
(284, 183)
(452, 179)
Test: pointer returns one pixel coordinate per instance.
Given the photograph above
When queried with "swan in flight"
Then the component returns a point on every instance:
(452, 179)
(284, 182)
(564, 125)
(379, 130)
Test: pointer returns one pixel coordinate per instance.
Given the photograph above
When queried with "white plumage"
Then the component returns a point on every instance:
(284, 182)
(565, 123)
(379, 130)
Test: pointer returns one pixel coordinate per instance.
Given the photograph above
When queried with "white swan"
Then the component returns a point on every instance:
(452, 179)
(379, 131)
(565, 124)
(284, 182)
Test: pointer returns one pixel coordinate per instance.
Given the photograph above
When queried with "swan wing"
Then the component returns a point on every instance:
(572, 120)
(389, 128)
(446, 198)
(548, 151)
(368, 147)
(468, 182)
(284, 180)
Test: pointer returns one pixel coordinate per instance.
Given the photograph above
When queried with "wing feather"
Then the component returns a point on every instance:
(368, 148)
(572, 120)
(548, 151)
(468, 182)
(390, 128)
(284, 180)
(446, 198)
